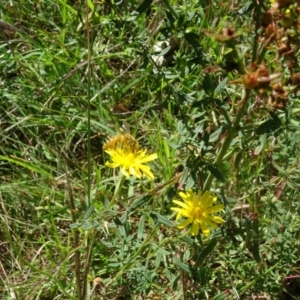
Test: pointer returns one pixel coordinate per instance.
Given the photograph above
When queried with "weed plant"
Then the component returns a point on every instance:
(210, 87)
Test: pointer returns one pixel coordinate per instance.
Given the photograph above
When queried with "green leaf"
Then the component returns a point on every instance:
(87, 225)
(164, 51)
(27, 165)
(139, 202)
(75, 225)
(268, 126)
(158, 259)
(255, 251)
(188, 240)
(88, 212)
(219, 232)
(161, 219)
(262, 143)
(221, 86)
(277, 167)
(163, 251)
(141, 228)
(275, 117)
(207, 250)
(221, 296)
(183, 266)
(144, 6)
(238, 159)
(122, 227)
(216, 173)
(131, 84)
(175, 283)
(193, 39)
(215, 135)
(246, 8)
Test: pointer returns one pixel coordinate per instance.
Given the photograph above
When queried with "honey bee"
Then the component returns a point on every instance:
(122, 141)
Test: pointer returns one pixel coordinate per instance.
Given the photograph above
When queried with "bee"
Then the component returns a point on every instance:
(121, 141)
(124, 140)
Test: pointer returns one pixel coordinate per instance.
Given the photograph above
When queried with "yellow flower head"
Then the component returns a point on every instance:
(198, 210)
(125, 153)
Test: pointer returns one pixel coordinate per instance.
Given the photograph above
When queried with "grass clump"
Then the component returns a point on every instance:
(114, 113)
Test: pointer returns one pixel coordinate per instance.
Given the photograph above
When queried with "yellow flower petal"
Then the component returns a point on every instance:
(198, 209)
(184, 223)
(184, 205)
(126, 155)
(204, 228)
(195, 228)
(214, 209)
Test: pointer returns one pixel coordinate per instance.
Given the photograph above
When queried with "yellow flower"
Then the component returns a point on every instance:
(197, 208)
(126, 154)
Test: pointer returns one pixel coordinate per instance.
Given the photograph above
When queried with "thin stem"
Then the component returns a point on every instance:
(88, 203)
(230, 135)
(76, 238)
(88, 108)
(88, 251)
(257, 20)
(117, 191)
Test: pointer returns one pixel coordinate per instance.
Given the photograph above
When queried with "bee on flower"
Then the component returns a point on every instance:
(126, 154)
(198, 209)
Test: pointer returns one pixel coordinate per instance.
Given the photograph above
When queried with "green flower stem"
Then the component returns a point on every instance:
(230, 135)
(117, 191)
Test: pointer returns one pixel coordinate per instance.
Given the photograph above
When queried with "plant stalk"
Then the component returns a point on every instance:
(230, 135)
